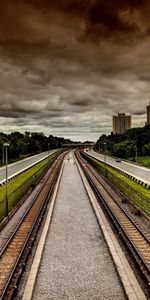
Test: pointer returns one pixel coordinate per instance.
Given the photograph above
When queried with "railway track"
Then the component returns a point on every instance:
(136, 241)
(14, 254)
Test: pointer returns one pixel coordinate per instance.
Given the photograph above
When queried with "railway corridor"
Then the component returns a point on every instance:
(76, 263)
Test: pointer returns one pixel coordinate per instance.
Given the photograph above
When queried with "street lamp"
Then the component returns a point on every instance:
(136, 150)
(105, 145)
(3, 158)
(48, 147)
(136, 153)
(6, 145)
(105, 149)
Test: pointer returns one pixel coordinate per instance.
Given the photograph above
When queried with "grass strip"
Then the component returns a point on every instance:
(18, 187)
(136, 193)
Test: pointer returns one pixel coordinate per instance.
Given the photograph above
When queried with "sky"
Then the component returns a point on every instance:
(67, 66)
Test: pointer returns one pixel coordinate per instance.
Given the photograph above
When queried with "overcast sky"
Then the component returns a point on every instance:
(66, 66)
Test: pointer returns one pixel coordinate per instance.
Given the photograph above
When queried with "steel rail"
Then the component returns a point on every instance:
(5, 221)
(130, 232)
(50, 165)
(13, 256)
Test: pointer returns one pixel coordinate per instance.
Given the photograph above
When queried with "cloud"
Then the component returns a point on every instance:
(67, 66)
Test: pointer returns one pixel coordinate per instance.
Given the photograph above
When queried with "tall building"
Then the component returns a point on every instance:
(148, 114)
(121, 123)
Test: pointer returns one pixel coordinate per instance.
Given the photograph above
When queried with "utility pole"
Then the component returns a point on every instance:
(136, 150)
(48, 147)
(105, 149)
(105, 145)
(6, 145)
(136, 153)
(3, 159)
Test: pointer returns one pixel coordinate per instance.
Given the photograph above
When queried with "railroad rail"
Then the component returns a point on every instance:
(14, 254)
(136, 240)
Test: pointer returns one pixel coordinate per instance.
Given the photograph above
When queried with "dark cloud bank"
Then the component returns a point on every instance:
(68, 66)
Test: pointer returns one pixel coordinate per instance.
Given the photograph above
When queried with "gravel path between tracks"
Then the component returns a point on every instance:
(76, 263)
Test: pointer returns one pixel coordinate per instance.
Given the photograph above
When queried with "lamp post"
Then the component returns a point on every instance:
(136, 154)
(136, 150)
(3, 158)
(105, 145)
(6, 145)
(48, 147)
(22, 149)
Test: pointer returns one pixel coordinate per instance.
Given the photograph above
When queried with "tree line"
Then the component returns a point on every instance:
(29, 143)
(125, 145)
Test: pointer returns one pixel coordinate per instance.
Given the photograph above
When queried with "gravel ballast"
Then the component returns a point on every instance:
(76, 263)
(15, 219)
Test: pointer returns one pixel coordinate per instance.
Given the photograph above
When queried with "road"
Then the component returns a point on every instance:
(138, 172)
(21, 165)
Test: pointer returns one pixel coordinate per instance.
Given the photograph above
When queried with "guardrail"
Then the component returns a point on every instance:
(146, 184)
(25, 169)
(137, 198)
(16, 195)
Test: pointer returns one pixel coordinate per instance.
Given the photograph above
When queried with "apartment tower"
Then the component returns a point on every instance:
(121, 123)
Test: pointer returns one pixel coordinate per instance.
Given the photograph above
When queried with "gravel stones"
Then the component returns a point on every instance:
(76, 263)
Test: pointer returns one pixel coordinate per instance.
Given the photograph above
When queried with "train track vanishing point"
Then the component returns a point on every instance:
(137, 242)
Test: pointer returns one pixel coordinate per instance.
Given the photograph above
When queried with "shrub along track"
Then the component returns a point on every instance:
(15, 252)
(136, 241)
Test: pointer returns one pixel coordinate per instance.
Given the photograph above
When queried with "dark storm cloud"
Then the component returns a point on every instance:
(67, 66)
(28, 22)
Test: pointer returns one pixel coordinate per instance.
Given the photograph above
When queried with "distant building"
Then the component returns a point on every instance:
(148, 114)
(121, 123)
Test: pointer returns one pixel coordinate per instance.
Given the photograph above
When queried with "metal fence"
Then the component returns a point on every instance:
(142, 202)
(21, 191)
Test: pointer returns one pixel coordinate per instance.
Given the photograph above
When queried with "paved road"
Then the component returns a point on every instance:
(21, 165)
(138, 172)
